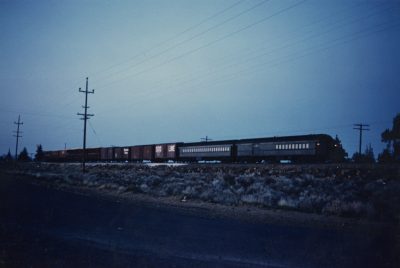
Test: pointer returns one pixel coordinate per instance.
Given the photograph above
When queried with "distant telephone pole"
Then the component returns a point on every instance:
(206, 139)
(86, 116)
(17, 135)
(361, 128)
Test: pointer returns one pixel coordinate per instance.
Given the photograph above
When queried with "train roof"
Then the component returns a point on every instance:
(264, 139)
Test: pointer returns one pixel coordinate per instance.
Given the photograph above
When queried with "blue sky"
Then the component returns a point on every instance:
(166, 71)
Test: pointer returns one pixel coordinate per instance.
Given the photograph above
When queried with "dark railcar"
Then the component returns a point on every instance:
(121, 153)
(164, 152)
(106, 154)
(137, 153)
(93, 154)
(54, 156)
(148, 152)
(297, 148)
(74, 155)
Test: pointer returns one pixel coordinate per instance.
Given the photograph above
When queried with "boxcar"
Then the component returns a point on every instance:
(148, 152)
(93, 154)
(107, 154)
(121, 154)
(136, 153)
(164, 152)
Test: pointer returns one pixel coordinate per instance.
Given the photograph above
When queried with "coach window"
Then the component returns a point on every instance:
(307, 146)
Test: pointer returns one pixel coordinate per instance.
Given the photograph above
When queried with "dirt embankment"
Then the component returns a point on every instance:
(369, 192)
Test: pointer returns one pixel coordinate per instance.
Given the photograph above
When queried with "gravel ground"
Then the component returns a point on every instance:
(355, 191)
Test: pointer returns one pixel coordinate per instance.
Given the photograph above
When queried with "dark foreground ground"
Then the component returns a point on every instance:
(44, 227)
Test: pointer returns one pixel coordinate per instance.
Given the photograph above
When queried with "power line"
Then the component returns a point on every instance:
(289, 58)
(187, 53)
(86, 116)
(171, 38)
(95, 134)
(194, 36)
(211, 71)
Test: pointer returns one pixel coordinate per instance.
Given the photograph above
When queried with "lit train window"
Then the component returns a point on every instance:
(297, 146)
(307, 145)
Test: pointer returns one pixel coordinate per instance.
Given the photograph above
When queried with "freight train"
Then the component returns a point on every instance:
(304, 148)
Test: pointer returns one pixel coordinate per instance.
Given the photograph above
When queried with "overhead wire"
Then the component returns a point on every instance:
(192, 51)
(286, 57)
(235, 56)
(190, 28)
(67, 94)
(192, 37)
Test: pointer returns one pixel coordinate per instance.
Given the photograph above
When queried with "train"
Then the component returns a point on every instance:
(302, 148)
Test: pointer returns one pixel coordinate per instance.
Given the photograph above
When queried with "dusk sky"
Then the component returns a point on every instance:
(167, 71)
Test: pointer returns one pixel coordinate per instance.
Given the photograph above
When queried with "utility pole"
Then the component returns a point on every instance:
(206, 139)
(17, 135)
(361, 128)
(86, 116)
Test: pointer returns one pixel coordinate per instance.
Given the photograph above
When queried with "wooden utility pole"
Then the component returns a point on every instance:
(17, 135)
(86, 116)
(360, 127)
